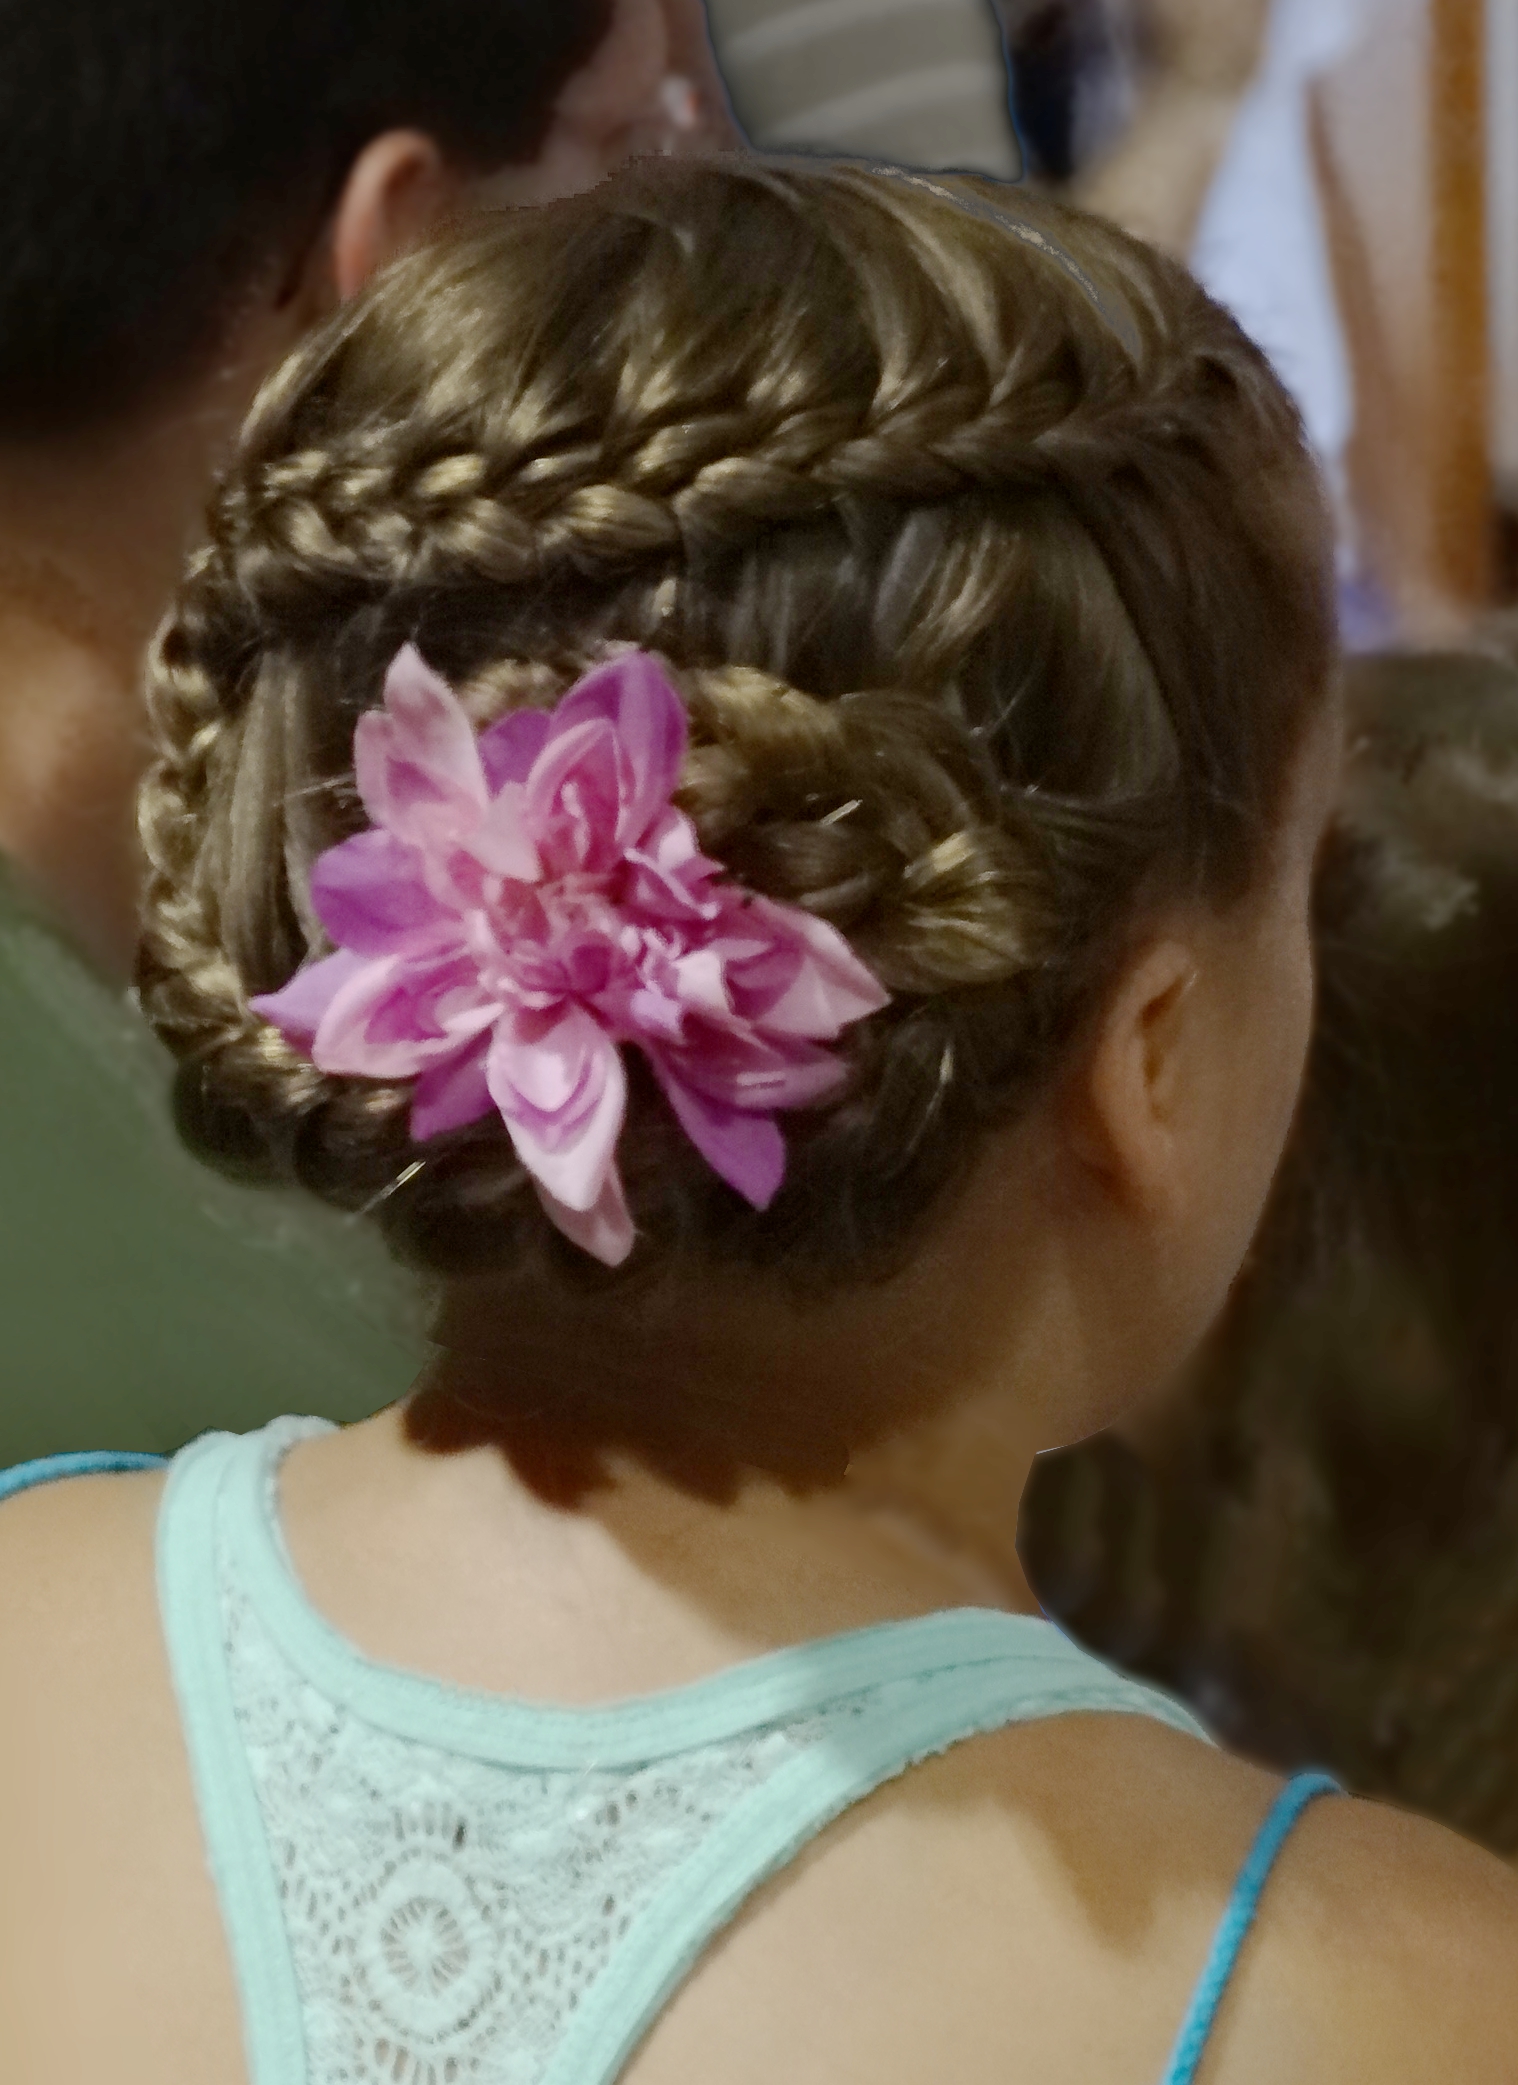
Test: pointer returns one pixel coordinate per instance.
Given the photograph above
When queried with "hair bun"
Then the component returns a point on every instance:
(988, 615)
(878, 812)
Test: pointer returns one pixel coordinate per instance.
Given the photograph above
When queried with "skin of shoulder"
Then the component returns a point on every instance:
(1036, 1903)
(1391, 1939)
(112, 1962)
(1039, 1903)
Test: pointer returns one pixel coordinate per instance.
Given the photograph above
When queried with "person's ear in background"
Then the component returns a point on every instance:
(183, 190)
(923, 82)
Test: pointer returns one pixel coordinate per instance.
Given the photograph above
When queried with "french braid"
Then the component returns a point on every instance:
(929, 548)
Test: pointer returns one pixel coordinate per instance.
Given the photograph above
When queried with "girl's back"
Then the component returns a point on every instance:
(1037, 1902)
(760, 820)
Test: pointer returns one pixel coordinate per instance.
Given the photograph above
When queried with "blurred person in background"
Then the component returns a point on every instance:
(1187, 122)
(1316, 1540)
(1074, 69)
(1136, 101)
(922, 82)
(183, 191)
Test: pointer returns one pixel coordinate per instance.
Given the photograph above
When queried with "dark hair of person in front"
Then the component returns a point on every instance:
(198, 139)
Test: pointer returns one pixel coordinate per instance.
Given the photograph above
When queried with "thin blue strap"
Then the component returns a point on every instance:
(1233, 1930)
(52, 1469)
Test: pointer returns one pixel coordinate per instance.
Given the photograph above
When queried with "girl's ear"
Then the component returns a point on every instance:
(1128, 1104)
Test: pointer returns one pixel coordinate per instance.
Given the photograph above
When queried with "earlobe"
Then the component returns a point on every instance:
(398, 189)
(1129, 1114)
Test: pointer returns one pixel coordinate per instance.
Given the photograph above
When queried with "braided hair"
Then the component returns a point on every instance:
(996, 620)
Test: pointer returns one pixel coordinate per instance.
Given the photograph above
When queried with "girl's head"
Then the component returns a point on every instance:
(988, 563)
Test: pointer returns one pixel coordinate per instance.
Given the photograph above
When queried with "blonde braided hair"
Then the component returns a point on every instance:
(990, 623)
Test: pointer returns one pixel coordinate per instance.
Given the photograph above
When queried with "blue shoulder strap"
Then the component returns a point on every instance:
(52, 1469)
(1233, 1931)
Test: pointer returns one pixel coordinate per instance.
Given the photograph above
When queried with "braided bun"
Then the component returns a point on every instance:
(992, 620)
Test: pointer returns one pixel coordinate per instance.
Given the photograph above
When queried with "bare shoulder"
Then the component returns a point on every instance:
(70, 1554)
(1390, 1944)
(79, 1640)
(1041, 1902)
(111, 1958)
(1385, 1946)
(1035, 1902)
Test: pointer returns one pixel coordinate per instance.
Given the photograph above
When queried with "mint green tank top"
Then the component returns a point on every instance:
(423, 1885)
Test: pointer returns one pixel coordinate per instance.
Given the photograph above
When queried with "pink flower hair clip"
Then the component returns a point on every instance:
(527, 901)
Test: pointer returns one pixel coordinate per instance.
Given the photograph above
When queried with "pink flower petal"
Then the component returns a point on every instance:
(297, 1008)
(635, 695)
(604, 1231)
(755, 1073)
(671, 845)
(562, 1093)
(397, 1015)
(370, 895)
(829, 987)
(502, 840)
(671, 878)
(527, 903)
(572, 799)
(700, 981)
(651, 1014)
(745, 1150)
(416, 760)
(451, 1094)
(511, 745)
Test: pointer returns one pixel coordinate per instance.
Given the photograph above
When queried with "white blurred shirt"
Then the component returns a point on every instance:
(1261, 248)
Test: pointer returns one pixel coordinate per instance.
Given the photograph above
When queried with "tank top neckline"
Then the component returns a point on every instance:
(227, 1585)
(513, 1730)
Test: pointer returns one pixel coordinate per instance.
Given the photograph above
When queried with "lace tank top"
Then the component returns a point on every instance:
(423, 1885)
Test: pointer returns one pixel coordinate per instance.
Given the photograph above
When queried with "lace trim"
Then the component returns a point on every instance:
(448, 1918)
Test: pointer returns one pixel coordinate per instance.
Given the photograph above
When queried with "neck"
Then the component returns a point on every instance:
(450, 1563)
(93, 534)
(933, 1498)
(895, 1419)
